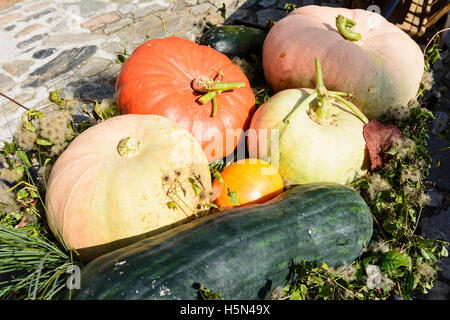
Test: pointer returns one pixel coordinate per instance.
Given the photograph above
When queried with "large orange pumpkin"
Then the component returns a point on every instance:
(383, 68)
(247, 181)
(126, 176)
(158, 79)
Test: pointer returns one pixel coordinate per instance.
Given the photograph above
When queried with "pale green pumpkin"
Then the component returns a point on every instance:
(307, 149)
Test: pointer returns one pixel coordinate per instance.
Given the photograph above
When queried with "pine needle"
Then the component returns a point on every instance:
(37, 267)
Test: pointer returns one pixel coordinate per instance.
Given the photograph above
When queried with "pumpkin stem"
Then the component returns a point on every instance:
(323, 111)
(212, 88)
(345, 25)
(128, 147)
(205, 85)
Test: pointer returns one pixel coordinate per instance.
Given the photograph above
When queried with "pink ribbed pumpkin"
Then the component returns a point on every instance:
(383, 68)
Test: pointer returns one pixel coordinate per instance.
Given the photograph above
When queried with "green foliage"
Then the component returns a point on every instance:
(122, 56)
(38, 266)
(37, 261)
(105, 113)
(223, 11)
(405, 261)
(261, 96)
(208, 294)
(290, 7)
(433, 53)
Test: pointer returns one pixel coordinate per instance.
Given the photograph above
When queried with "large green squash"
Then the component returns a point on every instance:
(243, 252)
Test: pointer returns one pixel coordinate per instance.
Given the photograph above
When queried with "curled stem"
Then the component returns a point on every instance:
(345, 25)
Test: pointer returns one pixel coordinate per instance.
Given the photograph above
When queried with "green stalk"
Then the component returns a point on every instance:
(345, 25)
(325, 96)
(214, 103)
(301, 106)
(319, 78)
(356, 111)
(207, 97)
(224, 86)
(323, 112)
(212, 88)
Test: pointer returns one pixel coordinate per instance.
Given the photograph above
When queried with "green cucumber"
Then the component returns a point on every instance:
(234, 40)
(243, 252)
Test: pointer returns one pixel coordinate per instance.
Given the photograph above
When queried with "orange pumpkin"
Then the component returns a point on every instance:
(160, 77)
(362, 54)
(247, 181)
(126, 176)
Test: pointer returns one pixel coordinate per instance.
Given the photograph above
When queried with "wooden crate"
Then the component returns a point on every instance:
(412, 16)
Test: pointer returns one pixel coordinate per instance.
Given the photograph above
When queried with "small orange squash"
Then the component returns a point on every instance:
(247, 181)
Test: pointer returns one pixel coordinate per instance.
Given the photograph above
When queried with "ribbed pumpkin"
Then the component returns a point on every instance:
(158, 79)
(247, 181)
(383, 68)
(123, 177)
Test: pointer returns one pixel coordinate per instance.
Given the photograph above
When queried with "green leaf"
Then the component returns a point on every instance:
(232, 195)
(22, 156)
(223, 11)
(427, 254)
(172, 205)
(9, 148)
(27, 125)
(290, 6)
(34, 194)
(325, 291)
(120, 58)
(197, 189)
(216, 175)
(97, 110)
(389, 226)
(110, 112)
(43, 142)
(19, 170)
(444, 252)
(54, 96)
(393, 260)
(83, 125)
(409, 283)
(22, 193)
(211, 205)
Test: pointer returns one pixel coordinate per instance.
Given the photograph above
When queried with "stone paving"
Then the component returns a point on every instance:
(73, 44)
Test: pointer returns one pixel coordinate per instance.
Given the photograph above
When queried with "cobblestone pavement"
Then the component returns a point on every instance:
(73, 44)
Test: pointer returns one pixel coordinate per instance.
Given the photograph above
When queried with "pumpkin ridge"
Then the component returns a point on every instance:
(65, 168)
(94, 166)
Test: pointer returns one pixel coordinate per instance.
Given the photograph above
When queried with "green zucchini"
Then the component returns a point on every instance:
(234, 40)
(243, 252)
